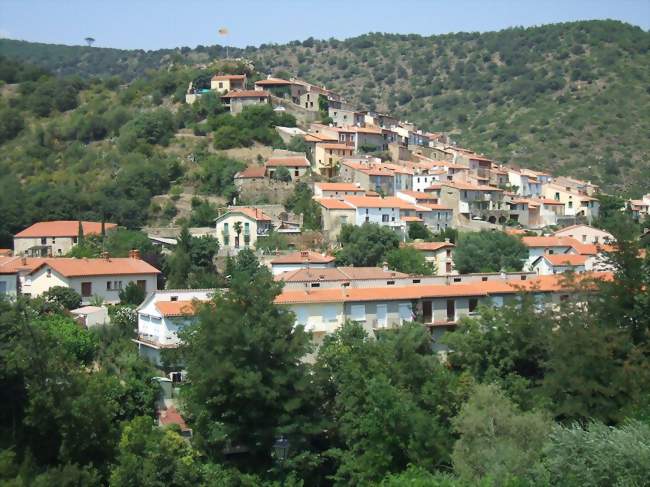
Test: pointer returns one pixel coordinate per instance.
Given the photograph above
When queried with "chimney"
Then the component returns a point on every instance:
(447, 240)
(134, 254)
(304, 254)
(385, 266)
(23, 260)
(105, 255)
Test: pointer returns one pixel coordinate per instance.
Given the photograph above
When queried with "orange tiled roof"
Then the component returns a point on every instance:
(229, 77)
(254, 213)
(6, 252)
(411, 219)
(431, 246)
(338, 187)
(333, 204)
(566, 259)
(303, 257)
(117, 266)
(288, 161)
(176, 308)
(337, 146)
(246, 94)
(374, 202)
(418, 195)
(273, 82)
(63, 228)
(251, 172)
(552, 283)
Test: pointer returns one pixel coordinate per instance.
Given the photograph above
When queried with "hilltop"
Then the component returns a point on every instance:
(571, 98)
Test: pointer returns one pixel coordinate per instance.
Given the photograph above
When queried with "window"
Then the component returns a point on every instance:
(74, 240)
(523, 278)
(86, 289)
(358, 312)
(43, 240)
(416, 281)
(315, 284)
(174, 298)
(108, 285)
(382, 315)
(405, 312)
(448, 252)
(390, 283)
(3, 288)
(384, 218)
(220, 84)
(457, 279)
(473, 304)
(53, 240)
(49, 272)
(296, 173)
(484, 279)
(451, 310)
(367, 219)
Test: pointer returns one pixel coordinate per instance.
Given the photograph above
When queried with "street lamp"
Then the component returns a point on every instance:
(281, 448)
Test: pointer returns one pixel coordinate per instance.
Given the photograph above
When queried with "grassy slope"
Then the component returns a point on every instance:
(571, 98)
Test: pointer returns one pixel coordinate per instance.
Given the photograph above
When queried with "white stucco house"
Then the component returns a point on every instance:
(240, 226)
(586, 234)
(559, 263)
(162, 315)
(102, 278)
(8, 284)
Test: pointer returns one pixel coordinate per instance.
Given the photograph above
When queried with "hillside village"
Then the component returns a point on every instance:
(360, 167)
(382, 261)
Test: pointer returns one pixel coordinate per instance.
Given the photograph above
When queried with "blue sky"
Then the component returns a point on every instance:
(165, 23)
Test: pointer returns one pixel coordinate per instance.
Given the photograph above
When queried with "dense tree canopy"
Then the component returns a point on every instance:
(487, 251)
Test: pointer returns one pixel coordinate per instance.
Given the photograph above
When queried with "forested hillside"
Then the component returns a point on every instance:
(571, 98)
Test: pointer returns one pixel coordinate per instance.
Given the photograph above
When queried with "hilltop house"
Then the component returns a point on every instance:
(162, 315)
(578, 205)
(238, 99)
(439, 253)
(55, 238)
(297, 165)
(240, 227)
(223, 83)
(640, 208)
(472, 202)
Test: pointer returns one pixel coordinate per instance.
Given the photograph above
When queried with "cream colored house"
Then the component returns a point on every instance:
(327, 157)
(337, 190)
(586, 234)
(223, 83)
(92, 278)
(55, 238)
(240, 227)
(439, 253)
(576, 204)
(237, 100)
(334, 214)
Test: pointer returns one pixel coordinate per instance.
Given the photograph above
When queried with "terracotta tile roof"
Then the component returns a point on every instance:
(340, 274)
(549, 241)
(171, 416)
(6, 252)
(63, 228)
(515, 231)
(338, 187)
(254, 213)
(273, 82)
(288, 161)
(431, 246)
(319, 138)
(435, 206)
(303, 257)
(118, 266)
(418, 195)
(251, 172)
(411, 219)
(20, 264)
(552, 283)
(333, 204)
(566, 259)
(176, 308)
(246, 94)
(468, 186)
(229, 77)
(337, 146)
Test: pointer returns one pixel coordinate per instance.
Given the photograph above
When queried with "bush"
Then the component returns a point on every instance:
(64, 296)
(132, 294)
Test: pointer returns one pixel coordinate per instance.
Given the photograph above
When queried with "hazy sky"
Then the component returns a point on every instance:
(165, 23)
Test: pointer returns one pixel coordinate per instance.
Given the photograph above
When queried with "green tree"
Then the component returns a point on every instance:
(282, 174)
(496, 439)
(132, 294)
(246, 370)
(11, 124)
(598, 455)
(66, 297)
(389, 400)
(488, 251)
(150, 456)
(418, 231)
(80, 344)
(366, 245)
(301, 202)
(410, 261)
